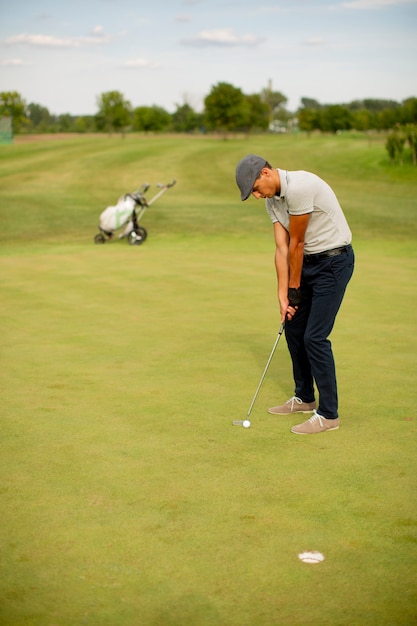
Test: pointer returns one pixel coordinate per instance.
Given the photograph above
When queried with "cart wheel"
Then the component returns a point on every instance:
(135, 238)
(142, 232)
(99, 238)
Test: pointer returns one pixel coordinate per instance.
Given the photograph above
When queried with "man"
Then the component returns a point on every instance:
(314, 262)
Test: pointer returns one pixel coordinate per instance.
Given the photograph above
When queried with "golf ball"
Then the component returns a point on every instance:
(246, 424)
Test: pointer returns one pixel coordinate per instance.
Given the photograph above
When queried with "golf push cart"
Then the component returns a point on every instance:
(128, 212)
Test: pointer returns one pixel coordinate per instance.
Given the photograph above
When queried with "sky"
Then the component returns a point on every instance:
(63, 55)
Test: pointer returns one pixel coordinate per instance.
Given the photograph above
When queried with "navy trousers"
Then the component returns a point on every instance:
(323, 284)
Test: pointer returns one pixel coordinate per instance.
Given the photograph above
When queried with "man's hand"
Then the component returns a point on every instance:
(287, 311)
(291, 311)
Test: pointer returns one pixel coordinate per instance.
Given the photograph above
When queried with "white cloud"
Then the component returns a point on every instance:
(13, 62)
(183, 18)
(374, 4)
(49, 41)
(221, 37)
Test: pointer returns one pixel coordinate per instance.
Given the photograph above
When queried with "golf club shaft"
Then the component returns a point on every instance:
(281, 330)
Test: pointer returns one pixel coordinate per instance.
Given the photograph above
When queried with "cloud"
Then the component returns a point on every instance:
(221, 37)
(49, 41)
(183, 18)
(374, 4)
(13, 62)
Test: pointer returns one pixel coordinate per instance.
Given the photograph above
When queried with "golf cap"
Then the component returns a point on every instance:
(247, 171)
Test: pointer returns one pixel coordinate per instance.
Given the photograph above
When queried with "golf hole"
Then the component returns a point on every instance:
(311, 556)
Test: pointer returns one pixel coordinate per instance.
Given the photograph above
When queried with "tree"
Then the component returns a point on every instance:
(309, 103)
(336, 117)
(309, 119)
(257, 113)
(309, 115)
(409, 111)
(395, 146)
(387, 119)
(12, 105)
(376, 105)
(225, 108)
(114, 111)
(391, 146)
(362, 119)
(65, 123)
(411, 136)
(152, 118)
(185, 119)
(39, 117)
(275, 101)
(84, 124)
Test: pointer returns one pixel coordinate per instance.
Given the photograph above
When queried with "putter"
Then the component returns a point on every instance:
(241, 422)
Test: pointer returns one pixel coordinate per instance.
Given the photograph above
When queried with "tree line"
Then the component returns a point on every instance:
(226, 109)
(360, 115)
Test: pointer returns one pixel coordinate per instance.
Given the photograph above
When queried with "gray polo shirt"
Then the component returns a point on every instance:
(303, 192)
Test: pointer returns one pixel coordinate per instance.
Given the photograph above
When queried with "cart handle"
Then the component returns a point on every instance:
(159, 194)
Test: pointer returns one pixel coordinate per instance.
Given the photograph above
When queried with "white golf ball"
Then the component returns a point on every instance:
(246, 424)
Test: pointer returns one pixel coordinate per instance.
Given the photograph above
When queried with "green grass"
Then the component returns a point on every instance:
(127, 496)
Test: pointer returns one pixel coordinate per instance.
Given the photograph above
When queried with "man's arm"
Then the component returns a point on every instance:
(298, 227)
(281, 265)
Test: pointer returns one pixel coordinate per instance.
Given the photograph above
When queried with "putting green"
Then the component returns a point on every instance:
(128, 497)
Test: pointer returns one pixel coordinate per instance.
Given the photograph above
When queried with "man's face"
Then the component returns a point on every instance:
(264, 186)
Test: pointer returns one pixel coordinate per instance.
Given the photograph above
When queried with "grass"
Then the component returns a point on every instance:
(128, 498)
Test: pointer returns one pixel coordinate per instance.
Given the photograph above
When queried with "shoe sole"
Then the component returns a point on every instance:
(289, 412)
(295, 432)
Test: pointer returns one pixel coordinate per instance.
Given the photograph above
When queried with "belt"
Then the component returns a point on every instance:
(319, 256)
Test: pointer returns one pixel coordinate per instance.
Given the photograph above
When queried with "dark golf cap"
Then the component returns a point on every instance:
(247, 171)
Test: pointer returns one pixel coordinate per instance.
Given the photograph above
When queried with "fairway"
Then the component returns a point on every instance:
(128, 497)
